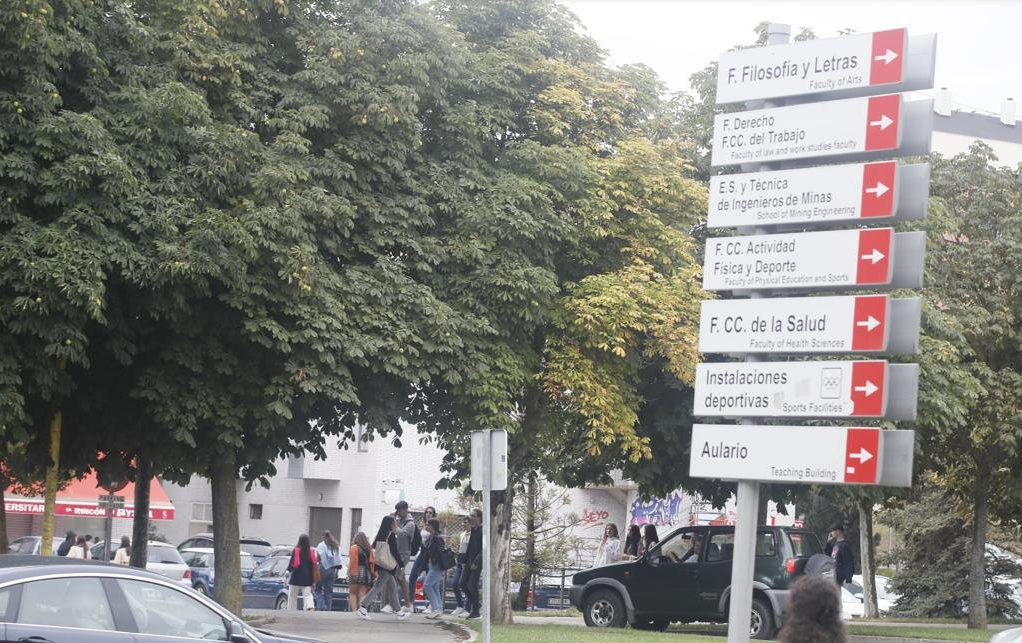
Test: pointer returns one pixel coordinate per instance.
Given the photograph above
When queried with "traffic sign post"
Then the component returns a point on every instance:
(865, 119)
(488, 473)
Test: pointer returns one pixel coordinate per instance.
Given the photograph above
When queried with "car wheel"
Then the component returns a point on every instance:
(604, 608)
(658, 624)
(200, 588)
(281, 603)
(762, 620)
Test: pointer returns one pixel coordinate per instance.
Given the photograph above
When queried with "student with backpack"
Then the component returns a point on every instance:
(407, 536)
(420, 541)
(304, 568)
(388, 568)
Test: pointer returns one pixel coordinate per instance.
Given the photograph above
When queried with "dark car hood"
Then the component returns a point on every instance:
(277, 637)
(613, 569)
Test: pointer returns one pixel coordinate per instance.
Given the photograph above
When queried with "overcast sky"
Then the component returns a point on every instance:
(979, 43)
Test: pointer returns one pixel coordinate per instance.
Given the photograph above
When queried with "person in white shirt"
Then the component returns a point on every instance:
(123, 555)
(610, 547)
(79, 548)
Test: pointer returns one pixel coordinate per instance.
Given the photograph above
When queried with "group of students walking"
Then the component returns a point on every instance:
(376, 571)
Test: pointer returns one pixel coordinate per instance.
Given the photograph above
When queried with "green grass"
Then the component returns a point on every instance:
(909, 632)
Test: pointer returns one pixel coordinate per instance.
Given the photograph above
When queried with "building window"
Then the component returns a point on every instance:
(255, 512)
(362, 440)
(202, 512)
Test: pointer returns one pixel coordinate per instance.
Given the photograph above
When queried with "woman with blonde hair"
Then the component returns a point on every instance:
(361, 570)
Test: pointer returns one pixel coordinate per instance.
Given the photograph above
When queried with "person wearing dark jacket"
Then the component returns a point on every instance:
(432, 586)
(69, 541)
(473, 565)
(841, 553)
(303, 566)
(387, 569)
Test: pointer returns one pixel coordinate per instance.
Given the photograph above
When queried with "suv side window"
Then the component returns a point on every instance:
(765, 544)
(721, 547)
(682, 548)
(66, 602)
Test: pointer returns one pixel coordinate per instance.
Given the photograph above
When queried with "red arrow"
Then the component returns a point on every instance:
(882, 122)
(862, 455)
(874, 256)
(878, 189)
(869, 326)
(868, 388)
(887, 60)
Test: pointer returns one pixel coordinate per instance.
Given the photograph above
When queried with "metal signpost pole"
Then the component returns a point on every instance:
(108, 531)
(486, 593)
(747, 501)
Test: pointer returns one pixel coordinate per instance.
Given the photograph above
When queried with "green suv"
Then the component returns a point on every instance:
(687, 577)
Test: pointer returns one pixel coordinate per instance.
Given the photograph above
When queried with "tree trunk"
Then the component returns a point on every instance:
(500, 559)
(530, 542)
(140, 524)
(762, 513)
(977, 553)
(52, 471)
(227, 553)
(867, 555)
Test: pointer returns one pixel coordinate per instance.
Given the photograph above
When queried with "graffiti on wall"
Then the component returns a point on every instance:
(657, 511)
(594, 518)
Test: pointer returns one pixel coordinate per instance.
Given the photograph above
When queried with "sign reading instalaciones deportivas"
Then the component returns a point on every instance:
(804, 260)
(833, 128)
(812, 66)
(795, 325)
(809, 195)
(792, 389)
(832, 455)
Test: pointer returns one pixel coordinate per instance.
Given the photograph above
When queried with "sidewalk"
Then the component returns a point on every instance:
(345, 627)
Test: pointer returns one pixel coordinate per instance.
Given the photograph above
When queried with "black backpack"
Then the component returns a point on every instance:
(416, 543)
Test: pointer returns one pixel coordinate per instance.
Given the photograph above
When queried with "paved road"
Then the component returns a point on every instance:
(345, 627)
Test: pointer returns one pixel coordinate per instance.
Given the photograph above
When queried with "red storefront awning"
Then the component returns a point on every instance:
(80, 498)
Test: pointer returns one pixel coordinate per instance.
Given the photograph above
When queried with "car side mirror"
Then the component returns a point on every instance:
(238, 634)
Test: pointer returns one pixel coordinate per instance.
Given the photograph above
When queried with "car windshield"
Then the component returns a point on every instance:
(248, 563)
(167, 555)
(256, 549)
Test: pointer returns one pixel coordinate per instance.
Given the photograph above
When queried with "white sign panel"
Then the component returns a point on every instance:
(792, 389)
(497, 443)
(809, 195)
(794, 325)
(812, 66)
(810, 455)
(803, 260)
(832, 128)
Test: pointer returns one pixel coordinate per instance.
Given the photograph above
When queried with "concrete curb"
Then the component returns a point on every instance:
(464, 633)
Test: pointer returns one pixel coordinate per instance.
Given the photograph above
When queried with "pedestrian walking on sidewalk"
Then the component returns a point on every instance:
(361, 570)
(433, 585)
(459, 567)
(420, 565)
(329, 553)
(388, 568)
(473, 564)
(407, 545)
(304, 568)
(123, 554)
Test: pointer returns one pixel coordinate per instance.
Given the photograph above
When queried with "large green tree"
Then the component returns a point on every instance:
(971, 385)
(565, 214)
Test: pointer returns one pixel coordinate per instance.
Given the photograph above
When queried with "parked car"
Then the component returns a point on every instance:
(885, 597)
(258, 547)
(161, 558)
(83, 601)
(200, 561)
(31, 545)
(1013, 635)
(266, 587)
(687, 577)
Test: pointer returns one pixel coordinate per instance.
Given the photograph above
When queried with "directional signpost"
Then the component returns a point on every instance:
(839, 455)
(829, 389)
(850, 109)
